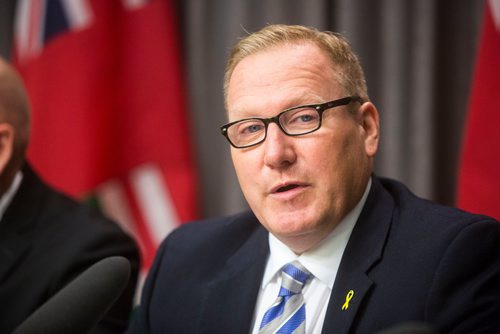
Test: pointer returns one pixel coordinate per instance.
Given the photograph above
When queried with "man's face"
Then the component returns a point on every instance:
(300, 187)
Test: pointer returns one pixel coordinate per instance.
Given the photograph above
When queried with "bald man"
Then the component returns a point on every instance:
(46, 238)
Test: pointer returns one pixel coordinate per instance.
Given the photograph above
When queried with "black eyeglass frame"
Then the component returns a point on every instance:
(320, 108)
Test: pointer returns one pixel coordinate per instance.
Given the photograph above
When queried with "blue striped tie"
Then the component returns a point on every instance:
(288, 313)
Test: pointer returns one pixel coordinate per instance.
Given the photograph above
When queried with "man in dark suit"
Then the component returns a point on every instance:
(328, 247)
(46, 238)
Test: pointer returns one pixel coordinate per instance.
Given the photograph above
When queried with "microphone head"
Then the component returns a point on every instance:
(79, 306)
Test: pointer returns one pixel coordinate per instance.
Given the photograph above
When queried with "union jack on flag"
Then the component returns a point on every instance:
(38, 21)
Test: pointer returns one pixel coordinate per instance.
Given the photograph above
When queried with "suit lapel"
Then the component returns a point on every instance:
(363, 251)
(12, 250)
(17, 225)
(229, 300)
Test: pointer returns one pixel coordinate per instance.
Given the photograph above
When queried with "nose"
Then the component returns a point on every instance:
(279, 151)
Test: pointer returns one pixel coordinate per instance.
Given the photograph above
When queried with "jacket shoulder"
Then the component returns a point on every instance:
(414, 208)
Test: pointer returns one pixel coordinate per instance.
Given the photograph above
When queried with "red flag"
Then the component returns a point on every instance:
(479, 176)
(109, 111)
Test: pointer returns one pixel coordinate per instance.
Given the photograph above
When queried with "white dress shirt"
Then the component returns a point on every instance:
(323, 262)
(9, 194)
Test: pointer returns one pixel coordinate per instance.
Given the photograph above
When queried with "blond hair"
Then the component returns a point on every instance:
(347, 67)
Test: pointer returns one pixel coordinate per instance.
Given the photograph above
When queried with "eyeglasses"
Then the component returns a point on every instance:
(295, 121)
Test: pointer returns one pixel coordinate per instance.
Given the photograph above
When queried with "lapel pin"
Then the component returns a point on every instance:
(348, 298)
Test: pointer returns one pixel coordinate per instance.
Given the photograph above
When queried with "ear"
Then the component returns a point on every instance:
(6, 145)
(370, 126)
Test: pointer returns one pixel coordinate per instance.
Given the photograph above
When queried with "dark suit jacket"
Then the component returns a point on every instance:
(46, 239)
(407, 260)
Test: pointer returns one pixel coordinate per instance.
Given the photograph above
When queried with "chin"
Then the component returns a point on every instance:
(290, 225)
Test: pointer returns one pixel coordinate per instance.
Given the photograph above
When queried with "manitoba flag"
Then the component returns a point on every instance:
(109, 113)
(479, 175)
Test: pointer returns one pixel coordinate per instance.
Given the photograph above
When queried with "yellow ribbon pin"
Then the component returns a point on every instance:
(348, 298)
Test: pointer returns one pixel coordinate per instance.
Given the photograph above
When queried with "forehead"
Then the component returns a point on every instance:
(281, 77)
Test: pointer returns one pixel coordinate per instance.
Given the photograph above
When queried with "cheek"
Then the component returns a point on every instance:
(338, 157)
(331, 152)
(245, 166)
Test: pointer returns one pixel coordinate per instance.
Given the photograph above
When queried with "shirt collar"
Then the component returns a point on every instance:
(322, 261)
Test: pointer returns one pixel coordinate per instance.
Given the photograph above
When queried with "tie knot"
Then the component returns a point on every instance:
(293, 277)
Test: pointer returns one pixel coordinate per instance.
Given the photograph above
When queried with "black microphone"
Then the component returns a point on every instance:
(79, 306)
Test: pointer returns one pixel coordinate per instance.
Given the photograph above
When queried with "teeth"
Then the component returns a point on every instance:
(286, 188)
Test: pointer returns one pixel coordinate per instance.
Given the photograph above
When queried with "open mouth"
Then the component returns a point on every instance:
(286, 188)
